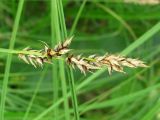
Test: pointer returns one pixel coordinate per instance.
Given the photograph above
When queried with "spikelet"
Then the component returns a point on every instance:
(62, 48)
(112, 62)
(81, 63)
(33, 59)
(46, 54)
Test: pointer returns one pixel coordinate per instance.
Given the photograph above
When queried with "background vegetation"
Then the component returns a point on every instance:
(98, 27)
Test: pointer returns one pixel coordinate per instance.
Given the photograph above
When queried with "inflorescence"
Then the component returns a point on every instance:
(84, 64)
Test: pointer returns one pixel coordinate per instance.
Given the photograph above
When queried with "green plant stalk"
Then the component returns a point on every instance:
(61, 63)
(77, 17)
(155, 29)
(2, 50)
(73, 94)
(70, 74)
(9, 59)
(54, 40)
(57, 17)
(62, 20)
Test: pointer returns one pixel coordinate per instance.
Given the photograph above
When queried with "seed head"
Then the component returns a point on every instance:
(84, 64)
(112, 62)
(63, 48)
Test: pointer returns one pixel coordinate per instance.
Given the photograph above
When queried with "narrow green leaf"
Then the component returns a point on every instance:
(9, 59)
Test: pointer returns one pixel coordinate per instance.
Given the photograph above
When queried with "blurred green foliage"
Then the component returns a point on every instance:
(102, 26)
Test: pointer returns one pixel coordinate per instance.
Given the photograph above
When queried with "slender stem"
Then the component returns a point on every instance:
(73, 94)
(57, 14)
(2, 50)
(54, 40)
(77, 17)
(142, 39)
(9, 59)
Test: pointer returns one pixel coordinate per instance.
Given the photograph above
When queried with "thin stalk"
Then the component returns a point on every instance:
(62, 20)
(9, 59)
(57, 16)
(9, 51)
(70, 73)
(142, 39)
(77, 17)
(54, 40)
(73, 94)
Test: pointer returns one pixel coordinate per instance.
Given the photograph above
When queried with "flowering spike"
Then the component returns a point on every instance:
(84, 64)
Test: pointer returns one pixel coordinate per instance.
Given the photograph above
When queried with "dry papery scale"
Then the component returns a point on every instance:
(84, 64)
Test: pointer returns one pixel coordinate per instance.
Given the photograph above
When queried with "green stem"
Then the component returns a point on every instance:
(77, 17)
(2, 50)
(59, 33)
(54, 40)
(73, 94)
(9, 59)
(142, 39)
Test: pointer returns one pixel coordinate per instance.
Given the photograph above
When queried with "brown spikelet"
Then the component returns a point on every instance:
(46, 54)
(62, 48)
(81, 63)
(112, 62)
(117, 62)
(33, 59)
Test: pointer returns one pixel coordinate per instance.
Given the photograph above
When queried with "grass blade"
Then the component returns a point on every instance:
(142, 39)
(54, 41)
(77, 17)
(149, 115)
(9, 59)
(57, 14)
(73, 94)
